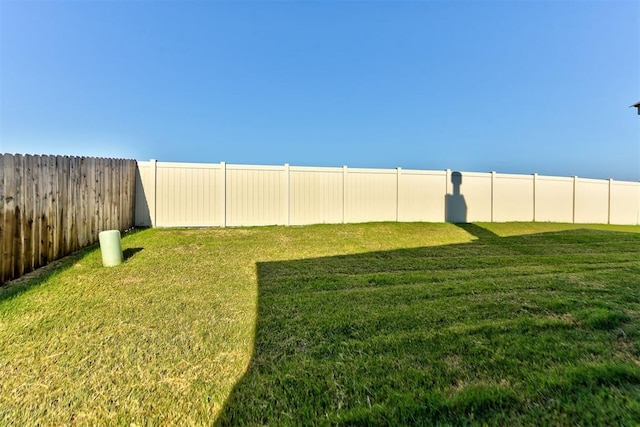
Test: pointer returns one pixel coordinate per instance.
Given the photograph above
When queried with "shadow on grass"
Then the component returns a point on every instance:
(130, 252)
(536, 329)
(477, 231)
(34, 278)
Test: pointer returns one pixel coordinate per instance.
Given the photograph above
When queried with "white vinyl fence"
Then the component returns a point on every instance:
(202, 195)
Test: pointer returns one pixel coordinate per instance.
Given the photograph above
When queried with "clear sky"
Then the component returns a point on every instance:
(511, 86)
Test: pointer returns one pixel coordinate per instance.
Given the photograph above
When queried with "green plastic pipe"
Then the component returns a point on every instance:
(111, 248)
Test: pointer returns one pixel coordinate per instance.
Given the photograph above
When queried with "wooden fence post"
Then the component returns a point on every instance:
(18, 236)
(9, 212)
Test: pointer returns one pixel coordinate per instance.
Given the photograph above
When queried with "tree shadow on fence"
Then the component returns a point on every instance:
(455, 206)
(462, 333)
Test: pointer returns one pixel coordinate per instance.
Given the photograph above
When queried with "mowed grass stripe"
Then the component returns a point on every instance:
(444, 278)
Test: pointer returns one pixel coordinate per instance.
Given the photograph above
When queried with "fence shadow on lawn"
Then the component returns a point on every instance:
(36, 277)
(527, 329)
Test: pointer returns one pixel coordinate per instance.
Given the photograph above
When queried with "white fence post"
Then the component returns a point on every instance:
(223, 194)
(153, 163)
(287, 194)
(398, 173)
(447, 177)
(447, 183)
(493, 180)
(344, 194)
(535, 181)
(575, 186)
(609, 202)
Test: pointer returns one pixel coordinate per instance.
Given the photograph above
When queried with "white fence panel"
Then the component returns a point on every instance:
(199, 194)
(512, 197)
(256, 195)
(554, 199)
(420, 195)
(186, 195)
(468, 197)
(592, 201)
(371, 195)
(625, 202)
(316, 195)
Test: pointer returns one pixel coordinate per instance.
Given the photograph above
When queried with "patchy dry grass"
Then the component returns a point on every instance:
(331, 324)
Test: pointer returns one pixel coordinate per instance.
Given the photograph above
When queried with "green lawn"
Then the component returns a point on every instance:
(370, 324)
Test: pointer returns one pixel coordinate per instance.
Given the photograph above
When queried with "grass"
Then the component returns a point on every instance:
(369, 324)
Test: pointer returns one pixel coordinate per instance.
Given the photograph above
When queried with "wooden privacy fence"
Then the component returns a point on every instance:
(201, 194)
(51, 206)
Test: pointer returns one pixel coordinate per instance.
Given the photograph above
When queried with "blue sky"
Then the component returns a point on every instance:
(510, 86)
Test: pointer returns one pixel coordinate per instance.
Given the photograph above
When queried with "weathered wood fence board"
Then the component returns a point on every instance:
(51, 206)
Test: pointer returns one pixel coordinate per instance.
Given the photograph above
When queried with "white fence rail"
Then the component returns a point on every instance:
(201, 194)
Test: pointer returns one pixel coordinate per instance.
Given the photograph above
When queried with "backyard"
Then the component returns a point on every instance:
(368, 324)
